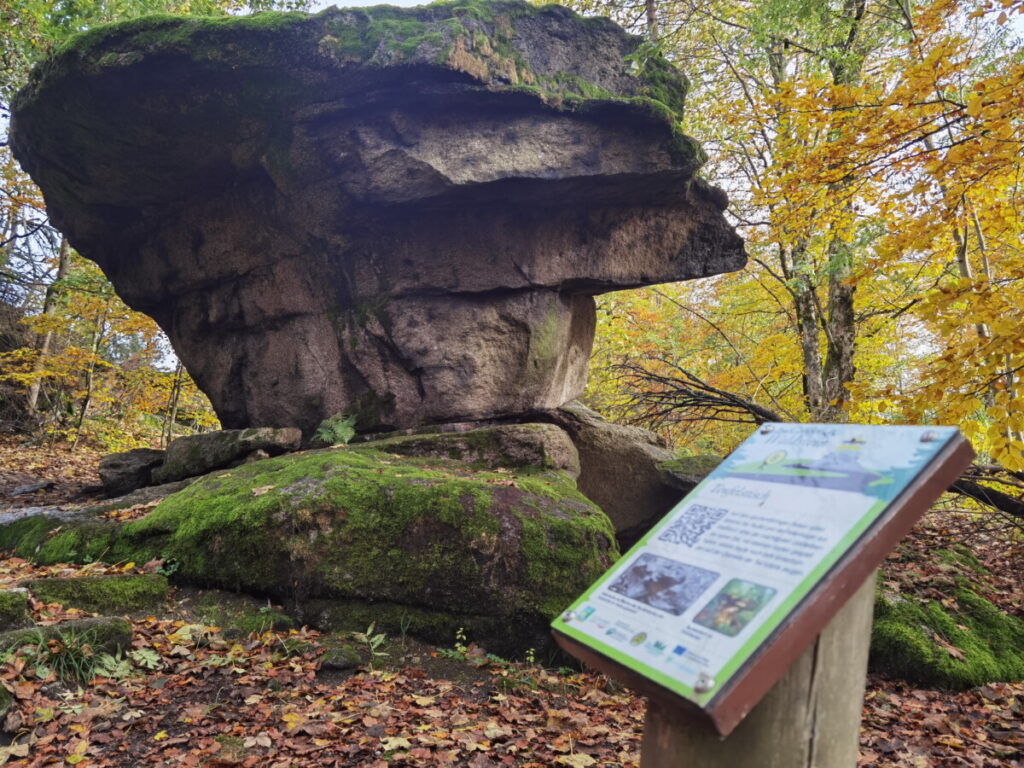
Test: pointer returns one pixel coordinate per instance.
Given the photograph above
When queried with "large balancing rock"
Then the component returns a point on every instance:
(398, 213)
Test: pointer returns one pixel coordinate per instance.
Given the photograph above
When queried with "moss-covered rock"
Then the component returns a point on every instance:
(499, 43)
(102, 594)
(959, 642)
(502, 552)
(194, 455)
(509, 446)
(14, 612)
(239, 615)
(685, 472)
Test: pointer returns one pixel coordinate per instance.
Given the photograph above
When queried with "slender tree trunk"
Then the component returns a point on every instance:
(90, 376)
(840, 333)
(172, 411)
(805, 306)
(651, 9)
(45, 343)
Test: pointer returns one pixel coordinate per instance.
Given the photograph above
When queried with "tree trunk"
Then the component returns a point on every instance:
(90, 376)
(45, 344)
(840, 333)
(172, 411)
(653, 34)
(810, 719)
(805, 306)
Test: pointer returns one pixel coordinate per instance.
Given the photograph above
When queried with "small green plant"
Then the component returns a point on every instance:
(460, 649)
(461, 644)
(114, 667)
(404, 622)
(337, 430)
(145, 658)
(372, 642)
(70, 656)
(168, 567)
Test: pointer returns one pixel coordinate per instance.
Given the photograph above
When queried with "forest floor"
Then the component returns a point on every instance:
(191, 694)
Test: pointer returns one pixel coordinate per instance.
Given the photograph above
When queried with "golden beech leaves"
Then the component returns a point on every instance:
(887, 174)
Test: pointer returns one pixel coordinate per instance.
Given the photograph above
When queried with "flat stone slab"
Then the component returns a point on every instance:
(102, 594)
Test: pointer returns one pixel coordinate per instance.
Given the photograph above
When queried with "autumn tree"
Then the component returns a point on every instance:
(857, 141)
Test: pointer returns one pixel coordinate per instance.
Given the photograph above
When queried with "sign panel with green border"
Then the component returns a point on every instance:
(711, 584)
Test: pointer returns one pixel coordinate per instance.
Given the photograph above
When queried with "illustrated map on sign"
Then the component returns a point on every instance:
(700, 593)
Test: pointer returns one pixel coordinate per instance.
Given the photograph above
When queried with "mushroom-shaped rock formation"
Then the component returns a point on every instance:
(398, 213)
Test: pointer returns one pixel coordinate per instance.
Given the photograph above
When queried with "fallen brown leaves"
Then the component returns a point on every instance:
(65, 475)
(199, 700)
(192, 698)
(914, 728)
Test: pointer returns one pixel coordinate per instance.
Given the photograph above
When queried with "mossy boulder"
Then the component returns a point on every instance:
(619, 469)
(685, 472)
(508, 446)
(958, 642)
(194, 455)
(126, 471)
(238, 615)
(400, 214)
(432, 543)
(14, 613)
(111, 594)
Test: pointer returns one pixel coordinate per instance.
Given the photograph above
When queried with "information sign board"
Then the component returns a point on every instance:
(766, 549)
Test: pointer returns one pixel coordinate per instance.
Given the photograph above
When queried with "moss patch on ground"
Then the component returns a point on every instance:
(14, 610)
(957, 641)
(241, 615)
(103, 594)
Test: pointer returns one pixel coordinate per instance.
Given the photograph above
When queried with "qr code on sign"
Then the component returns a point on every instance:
(693, 523)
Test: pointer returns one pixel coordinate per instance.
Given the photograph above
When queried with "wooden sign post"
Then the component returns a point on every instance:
(763, 576)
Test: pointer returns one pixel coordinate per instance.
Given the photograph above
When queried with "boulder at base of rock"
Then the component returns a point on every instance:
(619, 470)
(127, 471)
(121, 593)
(198, 454)
(429, 543)
(686, 472)
(541, 446)
(14, 609)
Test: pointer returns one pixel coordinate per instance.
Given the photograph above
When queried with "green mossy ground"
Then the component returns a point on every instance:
(240, 615)
(103, 594)
(958, 643)
(13, 610)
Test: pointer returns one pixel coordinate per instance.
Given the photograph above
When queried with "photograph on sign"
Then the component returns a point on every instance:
(696, 598)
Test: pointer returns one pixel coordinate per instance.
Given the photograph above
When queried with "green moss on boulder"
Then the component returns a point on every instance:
(102, 594)
(496, 43)
(958, 643)
(14, 612)
(499, 551)
(239, 615)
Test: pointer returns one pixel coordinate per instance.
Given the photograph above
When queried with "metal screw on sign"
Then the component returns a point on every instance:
(568, 616)
(705, 683)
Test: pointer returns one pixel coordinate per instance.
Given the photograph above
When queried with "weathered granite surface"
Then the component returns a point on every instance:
(400, 213)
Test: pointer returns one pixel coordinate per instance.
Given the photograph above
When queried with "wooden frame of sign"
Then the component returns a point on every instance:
(725, 707)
